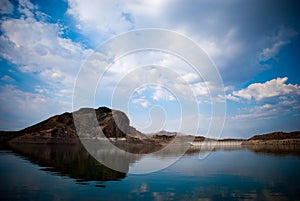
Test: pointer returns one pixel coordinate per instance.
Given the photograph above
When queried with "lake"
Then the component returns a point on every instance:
(65, 172)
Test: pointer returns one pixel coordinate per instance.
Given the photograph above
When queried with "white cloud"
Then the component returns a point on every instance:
(148, 68)
(106, 18)
(7, 78)
(220, 28)
(6, 7)
(142, 101)
(267, 111)
(201, 88)
(25, 108)
(223, 49)
(273, 98)
(152, 8)
(269, 53)
(103, 17)
(231, 97)
(146, 95)
(201, 91)
(282, 38)
(36, 46)
(162, 94)
(260, 91)
(190, 77)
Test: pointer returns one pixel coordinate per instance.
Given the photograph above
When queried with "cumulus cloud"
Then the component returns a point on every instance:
(260, 91)
(266, 101)
(234, 38)
(36, 46)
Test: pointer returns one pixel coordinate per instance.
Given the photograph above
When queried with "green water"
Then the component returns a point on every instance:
(69, 173)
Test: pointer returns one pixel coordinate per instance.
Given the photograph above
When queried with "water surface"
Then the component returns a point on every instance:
(39, 172)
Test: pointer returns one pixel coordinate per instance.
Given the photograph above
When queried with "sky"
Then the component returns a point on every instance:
(254, 45)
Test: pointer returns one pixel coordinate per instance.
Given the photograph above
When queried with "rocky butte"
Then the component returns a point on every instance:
(60, 129)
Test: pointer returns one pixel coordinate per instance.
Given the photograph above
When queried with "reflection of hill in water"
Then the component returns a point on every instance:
(75, 162)
(278, 150)
(69, 160)
(275, 149)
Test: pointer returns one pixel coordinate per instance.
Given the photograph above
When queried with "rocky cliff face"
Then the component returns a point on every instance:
(61, 128)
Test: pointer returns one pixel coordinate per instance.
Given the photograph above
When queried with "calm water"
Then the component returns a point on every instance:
(70, 173)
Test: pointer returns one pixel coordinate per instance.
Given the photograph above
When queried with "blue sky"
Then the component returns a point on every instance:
(255, 46)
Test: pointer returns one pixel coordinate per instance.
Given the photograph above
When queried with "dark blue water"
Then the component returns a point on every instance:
(72, 174)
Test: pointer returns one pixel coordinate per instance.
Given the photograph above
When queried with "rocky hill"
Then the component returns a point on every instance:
(276, 136)
(61, 128)
(279, 138)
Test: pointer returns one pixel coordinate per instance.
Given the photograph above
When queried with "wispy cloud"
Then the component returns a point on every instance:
(162, 94)
(282, 38)
(267, 111)
(143, 101)
(7, 78)
(19, 108)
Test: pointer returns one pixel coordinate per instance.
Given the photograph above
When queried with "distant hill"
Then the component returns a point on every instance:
(166, 133)
(168, 136)
(278, 138)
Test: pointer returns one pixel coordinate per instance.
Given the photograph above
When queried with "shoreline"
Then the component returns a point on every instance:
(195, 141)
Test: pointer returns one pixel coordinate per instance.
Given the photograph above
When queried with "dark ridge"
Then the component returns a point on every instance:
(276, 136)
